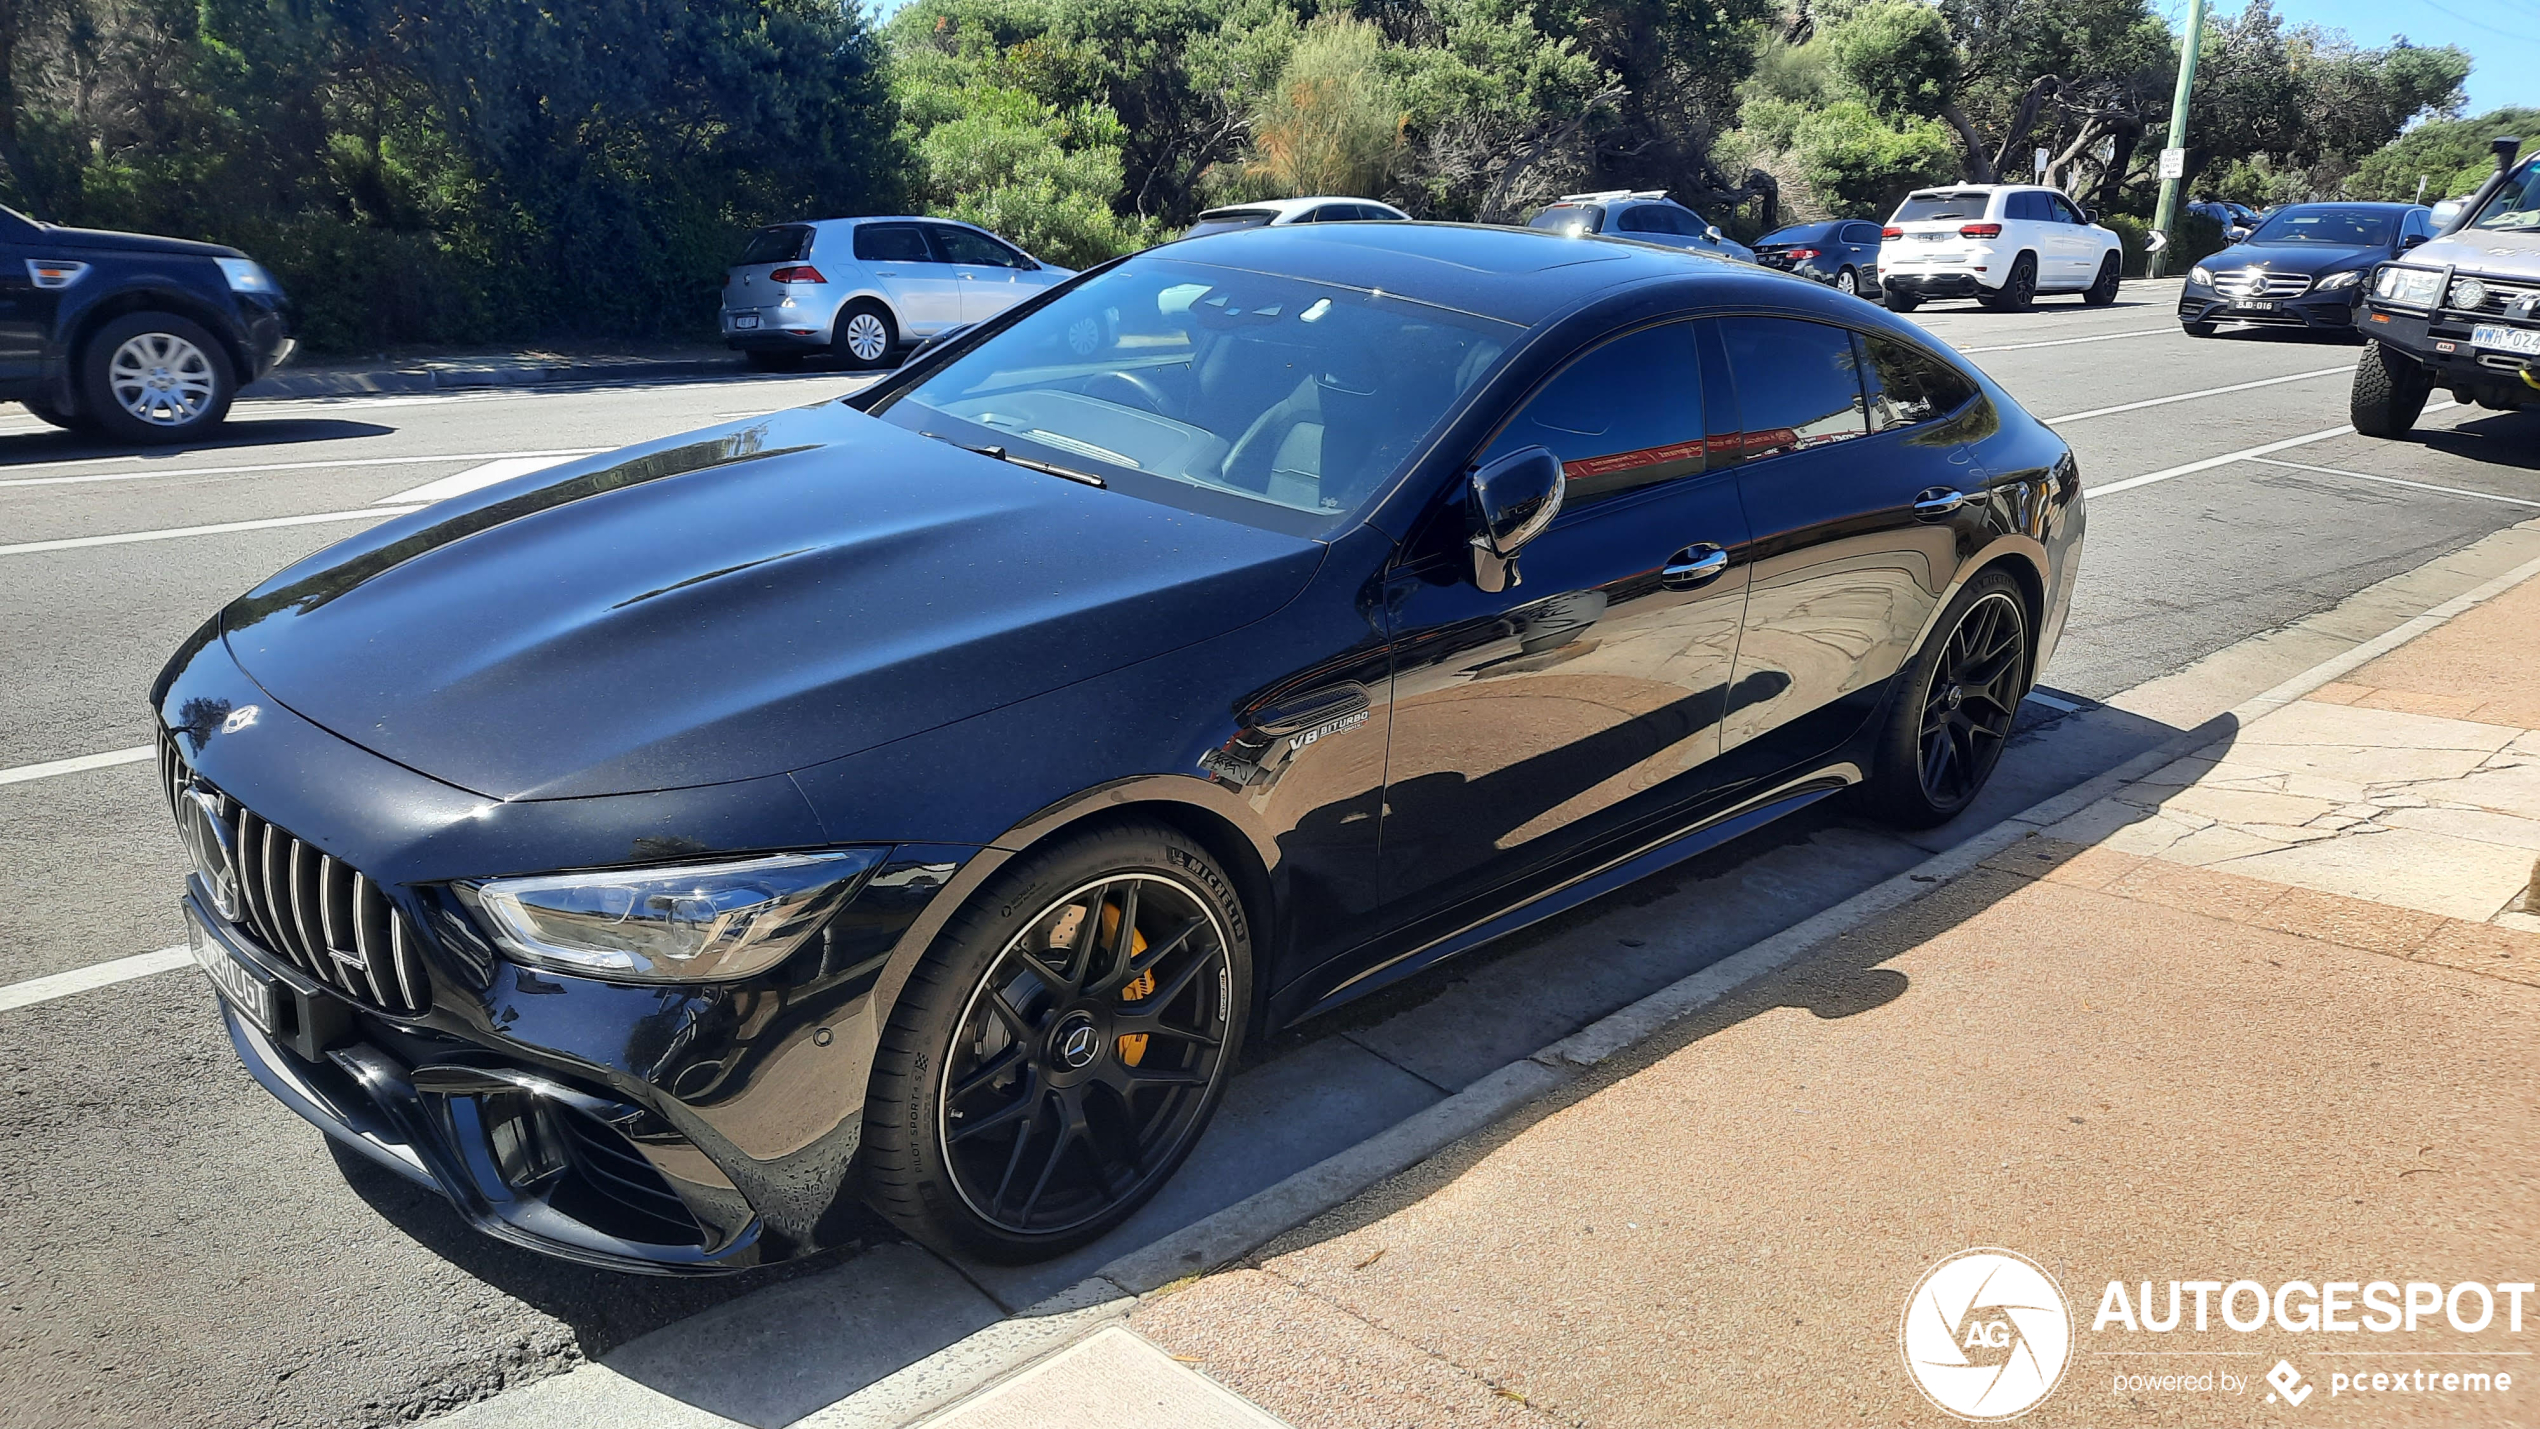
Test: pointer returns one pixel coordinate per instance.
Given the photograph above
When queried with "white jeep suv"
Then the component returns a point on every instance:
(2000, 244)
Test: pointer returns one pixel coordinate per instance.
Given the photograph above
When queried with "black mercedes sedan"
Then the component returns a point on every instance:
(920, 799)
(2303, 267)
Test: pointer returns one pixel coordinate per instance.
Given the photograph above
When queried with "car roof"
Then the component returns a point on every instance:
(1518, 275)
(2381, 205)
(1286, 206)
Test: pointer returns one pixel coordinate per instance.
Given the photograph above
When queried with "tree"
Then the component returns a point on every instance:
(2450, 155)
(1334, 121)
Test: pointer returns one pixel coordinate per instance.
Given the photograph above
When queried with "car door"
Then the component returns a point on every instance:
(2080, 241)
(923, 293)
(990, 274)
(26, 311)
(1588, 697)
(1847, 569)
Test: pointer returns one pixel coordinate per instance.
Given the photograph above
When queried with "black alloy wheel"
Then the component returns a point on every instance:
(2195, 329)
(1900, 301)
(2103, 289)
(1087, 1050)
(2389, 393)
(2018, 291)
(1956, 706)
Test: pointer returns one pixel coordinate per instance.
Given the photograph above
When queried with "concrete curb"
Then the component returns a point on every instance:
(404, 380)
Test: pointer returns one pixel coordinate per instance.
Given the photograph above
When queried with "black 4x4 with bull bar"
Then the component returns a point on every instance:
(2461, 312)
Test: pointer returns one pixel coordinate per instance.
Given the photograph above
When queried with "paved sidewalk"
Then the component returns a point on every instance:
(2272, 1014)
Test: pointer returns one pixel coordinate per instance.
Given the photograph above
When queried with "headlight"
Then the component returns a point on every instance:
(2201, 274)
(2335, 281)
(246, 275)
(2414, 287)
(706, 922)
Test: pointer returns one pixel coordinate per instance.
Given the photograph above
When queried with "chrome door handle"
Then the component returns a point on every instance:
(1937, 502)
(885, 273)
(1693, 566)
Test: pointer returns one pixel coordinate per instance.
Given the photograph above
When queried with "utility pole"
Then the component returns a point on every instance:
(2174, 157)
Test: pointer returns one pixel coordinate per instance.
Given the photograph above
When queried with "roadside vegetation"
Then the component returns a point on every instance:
(471, 170)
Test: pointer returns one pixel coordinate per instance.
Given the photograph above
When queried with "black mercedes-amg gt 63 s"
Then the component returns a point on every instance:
(920, 799)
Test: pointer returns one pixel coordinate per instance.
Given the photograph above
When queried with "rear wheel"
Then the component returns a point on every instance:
(2389, 393)
(863, 335)
(1848, 281)
(1062, 1046)
(2018, 290)
(155, 377)
(2103, 289)
(1954, 712)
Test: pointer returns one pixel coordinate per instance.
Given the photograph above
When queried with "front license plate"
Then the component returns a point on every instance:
(2260, 307)
(251, 992)
(744, 320)
(2506, 339)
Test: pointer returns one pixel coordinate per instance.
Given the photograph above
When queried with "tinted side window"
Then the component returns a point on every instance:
(1907, 387)
(1624, 416)
(891, 243)
(962, 245)
(1860, 233)
(1798, 384)
(1643, 219)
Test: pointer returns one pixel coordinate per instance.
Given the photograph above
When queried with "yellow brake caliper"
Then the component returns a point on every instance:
(1133, 1046)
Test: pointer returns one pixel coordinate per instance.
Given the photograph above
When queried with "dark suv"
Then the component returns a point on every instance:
(138, 338)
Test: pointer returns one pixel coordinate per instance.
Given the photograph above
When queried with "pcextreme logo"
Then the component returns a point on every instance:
(1986, 1334)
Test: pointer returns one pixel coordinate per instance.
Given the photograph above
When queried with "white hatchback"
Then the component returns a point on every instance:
(860, 287)
(2000, 244)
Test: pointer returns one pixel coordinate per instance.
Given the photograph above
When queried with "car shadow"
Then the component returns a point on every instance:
(2495, 439)
(2295, 336)
(237, 434)
(767, 1347)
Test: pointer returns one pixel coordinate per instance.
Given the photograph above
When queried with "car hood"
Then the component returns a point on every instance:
(2501, 253)
(2311, 258)
(104, 240)
(738, 602)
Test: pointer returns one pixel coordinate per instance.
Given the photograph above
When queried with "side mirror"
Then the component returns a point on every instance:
(1713, 233)
(1507, 504)
(2409, 241)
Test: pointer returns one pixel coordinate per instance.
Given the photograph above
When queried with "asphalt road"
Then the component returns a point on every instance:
(178, 1250)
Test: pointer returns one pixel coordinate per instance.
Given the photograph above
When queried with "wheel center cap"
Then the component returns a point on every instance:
(1074, 1043)
(1957, 696)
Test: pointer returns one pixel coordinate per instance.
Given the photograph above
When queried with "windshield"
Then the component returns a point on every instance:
(1570, 218)
(2337, 227)
(1228, 220)
(2517, 204)
(782, 244)
(1275, 401)
(1930, 208)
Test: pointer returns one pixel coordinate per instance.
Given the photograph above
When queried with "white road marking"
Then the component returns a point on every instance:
(95, 975)
(2395, 481)
(557, 455)
(107, 760)
(2067, 341)
(472, 479)
(373, 513)
(2227, 458)
(2194, 396)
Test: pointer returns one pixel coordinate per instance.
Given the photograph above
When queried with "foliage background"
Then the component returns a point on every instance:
(445, 171)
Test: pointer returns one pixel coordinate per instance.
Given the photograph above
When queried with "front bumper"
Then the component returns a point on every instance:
(2323, 312)
(2441, 342)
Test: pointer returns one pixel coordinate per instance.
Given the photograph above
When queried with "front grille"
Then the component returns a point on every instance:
(309, 908)
(2503, 295)
(2243, 284)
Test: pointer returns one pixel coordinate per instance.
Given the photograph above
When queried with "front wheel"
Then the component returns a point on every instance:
(2103, 289)
(154, 378)
(1952, 713)
(1061, 1047)
(2197, 329)
(2389, 393)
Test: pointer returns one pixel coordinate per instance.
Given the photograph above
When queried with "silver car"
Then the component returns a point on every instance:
(1644, 215)
(860, 287)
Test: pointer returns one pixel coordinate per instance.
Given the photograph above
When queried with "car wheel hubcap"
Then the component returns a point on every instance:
(161, 378)
(1087, 1053)
(1846, 283)
(1975, 695)
(866, 337)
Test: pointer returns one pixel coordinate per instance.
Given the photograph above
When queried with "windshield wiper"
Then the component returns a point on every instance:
(1025, 462)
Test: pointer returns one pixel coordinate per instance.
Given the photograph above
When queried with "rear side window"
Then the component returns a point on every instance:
(1798, 384)
(1931, 208)
(1648, 218)
(1861, 233)
(1907, 387)
(891, 243)
(785, 243)
(1625, 416)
